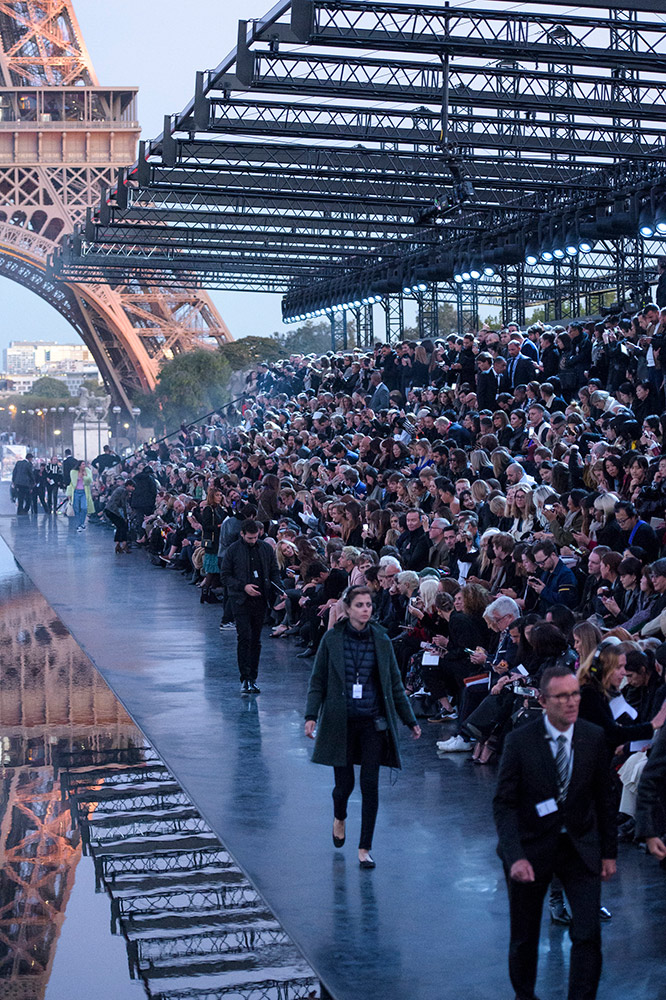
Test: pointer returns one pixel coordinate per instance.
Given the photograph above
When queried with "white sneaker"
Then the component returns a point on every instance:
(455, 745)
(80, 528)
(227, 626)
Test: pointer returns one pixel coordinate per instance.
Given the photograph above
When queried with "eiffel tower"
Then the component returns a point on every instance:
(61, 138)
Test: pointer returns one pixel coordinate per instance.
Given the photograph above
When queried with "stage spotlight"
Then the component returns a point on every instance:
(646, 225)
(547, 256)
(488, 270)
(586, 245)
(660, 216)
(532, 253)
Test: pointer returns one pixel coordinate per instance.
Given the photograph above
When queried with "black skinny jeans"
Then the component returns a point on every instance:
(249, 618)
(364, 743)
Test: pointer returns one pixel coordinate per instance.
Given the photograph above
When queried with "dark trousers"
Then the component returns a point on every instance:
(120, 524)
(249, 618)
(52, 497)
(583, 889)
(23, 499)
(364, 743)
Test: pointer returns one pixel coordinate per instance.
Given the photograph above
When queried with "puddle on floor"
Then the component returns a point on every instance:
(111, 883)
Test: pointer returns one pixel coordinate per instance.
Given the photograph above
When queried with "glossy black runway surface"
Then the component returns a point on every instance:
(430, 923)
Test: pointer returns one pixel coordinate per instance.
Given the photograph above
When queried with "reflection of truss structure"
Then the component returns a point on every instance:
(51, 701)
(194, 926)
(61, 137)
(333, 138)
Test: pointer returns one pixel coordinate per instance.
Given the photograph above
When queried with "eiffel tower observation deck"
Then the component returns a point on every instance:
(62, 136)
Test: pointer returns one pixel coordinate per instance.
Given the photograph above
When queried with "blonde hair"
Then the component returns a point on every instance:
(598, 667)
(428, 591)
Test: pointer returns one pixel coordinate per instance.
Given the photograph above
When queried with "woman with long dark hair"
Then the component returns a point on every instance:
(357, 722)
(211, 516)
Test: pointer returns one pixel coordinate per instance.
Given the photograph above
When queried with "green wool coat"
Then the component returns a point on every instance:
(327, 699)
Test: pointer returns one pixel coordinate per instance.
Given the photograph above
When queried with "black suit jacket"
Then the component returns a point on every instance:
(528, 775)
(486, 390)
(236, 571)
(522, 372)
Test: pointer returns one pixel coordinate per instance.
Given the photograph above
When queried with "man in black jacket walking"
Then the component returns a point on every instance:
(555, 815)
(23, 480)
(250, 573)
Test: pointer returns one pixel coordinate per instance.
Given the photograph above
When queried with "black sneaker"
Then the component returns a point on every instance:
(252, 688)
(245, 687)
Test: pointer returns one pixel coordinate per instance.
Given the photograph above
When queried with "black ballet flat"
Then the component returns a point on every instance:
(368, 863)
(338, 841)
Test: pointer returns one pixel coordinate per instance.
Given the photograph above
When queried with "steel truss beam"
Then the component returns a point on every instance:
(313, 152)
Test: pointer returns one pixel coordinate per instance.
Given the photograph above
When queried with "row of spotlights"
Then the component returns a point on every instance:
(367, 300)
(474, 273)
(570, 248)
(649, 229)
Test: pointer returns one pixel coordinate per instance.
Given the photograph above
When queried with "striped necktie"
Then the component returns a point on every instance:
(562, 765)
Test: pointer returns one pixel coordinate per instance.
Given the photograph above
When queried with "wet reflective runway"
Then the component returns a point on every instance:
(100, 847)
(431, 921)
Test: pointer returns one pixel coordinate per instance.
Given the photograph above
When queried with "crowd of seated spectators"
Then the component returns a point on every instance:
(502, 494)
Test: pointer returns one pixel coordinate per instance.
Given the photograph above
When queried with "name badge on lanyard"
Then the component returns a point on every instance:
(357, 691)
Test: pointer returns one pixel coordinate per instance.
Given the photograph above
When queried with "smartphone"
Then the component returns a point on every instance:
(524, 692)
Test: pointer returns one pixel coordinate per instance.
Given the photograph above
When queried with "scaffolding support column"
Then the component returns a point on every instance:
(394, 313)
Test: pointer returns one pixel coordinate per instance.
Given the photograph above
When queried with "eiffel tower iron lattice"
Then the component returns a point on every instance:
(62, 137)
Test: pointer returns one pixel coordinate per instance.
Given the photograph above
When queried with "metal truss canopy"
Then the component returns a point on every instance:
(343, 142)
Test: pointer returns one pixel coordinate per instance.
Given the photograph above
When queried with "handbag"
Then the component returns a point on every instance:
(69, 509)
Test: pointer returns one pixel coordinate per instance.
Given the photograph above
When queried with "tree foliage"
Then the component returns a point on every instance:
(49, 388)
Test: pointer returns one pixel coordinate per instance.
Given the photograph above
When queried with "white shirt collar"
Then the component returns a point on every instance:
(553, 733)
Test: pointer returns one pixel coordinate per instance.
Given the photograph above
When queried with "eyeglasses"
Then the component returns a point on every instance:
(562, 698)
(542, 562)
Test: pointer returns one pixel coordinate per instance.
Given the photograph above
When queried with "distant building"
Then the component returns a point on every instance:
(72, 380)
(26, 356)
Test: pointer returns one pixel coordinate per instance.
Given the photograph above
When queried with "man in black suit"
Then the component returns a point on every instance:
(502, 380)
(555, 815)
(520, 369)
(486, 383)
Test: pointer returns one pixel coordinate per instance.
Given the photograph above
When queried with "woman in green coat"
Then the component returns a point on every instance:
(356, 692)
(78, 491)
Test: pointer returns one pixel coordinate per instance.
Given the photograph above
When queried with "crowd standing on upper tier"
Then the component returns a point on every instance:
(500, 496)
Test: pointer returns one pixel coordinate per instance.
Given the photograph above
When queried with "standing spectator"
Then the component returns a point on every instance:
(105, 461)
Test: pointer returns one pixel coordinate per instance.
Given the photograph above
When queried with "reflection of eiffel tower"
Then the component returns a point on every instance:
(61, 137)
(51, 699)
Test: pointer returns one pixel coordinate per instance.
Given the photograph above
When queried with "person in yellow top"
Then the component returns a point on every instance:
(78, 491)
